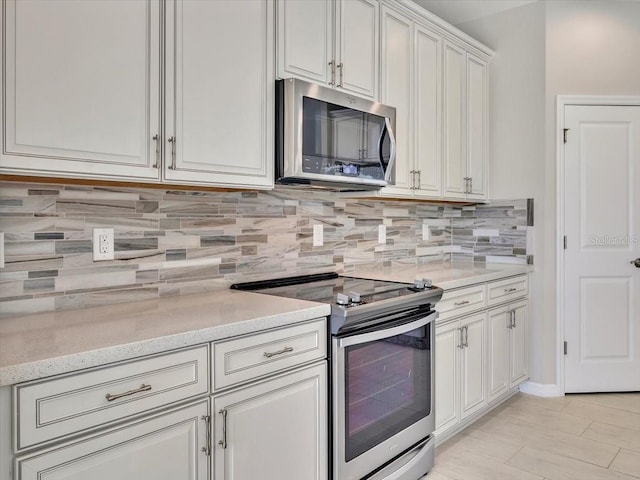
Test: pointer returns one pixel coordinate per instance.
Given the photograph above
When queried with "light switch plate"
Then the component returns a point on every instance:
(426, 233)
(103, 244)
(382, 233)
(1, 249)
(318, 235)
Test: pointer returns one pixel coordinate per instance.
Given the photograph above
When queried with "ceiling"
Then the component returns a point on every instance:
(460, 11)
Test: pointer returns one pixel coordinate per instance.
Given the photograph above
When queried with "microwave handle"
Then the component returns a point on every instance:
(387, 130)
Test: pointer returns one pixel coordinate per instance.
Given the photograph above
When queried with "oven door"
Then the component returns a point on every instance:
(383, 393)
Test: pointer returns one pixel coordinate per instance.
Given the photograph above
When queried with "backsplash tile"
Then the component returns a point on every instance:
(171, 242)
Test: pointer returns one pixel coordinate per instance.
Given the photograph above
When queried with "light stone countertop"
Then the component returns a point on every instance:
(40, 345)
(446, 276)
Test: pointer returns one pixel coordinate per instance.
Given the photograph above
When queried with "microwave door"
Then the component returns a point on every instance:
(388, 171)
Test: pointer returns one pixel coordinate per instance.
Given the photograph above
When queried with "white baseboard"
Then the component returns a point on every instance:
(541, 389)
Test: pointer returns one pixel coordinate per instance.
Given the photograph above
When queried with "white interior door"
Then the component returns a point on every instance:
(602, 212)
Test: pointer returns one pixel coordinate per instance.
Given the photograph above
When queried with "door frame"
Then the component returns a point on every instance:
(563, 101)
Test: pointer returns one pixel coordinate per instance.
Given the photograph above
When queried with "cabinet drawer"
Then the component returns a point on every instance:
(508, 289)
(461, 301)
(245, 358)
(52, 408)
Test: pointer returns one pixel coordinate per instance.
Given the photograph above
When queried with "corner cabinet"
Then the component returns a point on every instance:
(147, 95)
(330, 42)
(481, 350)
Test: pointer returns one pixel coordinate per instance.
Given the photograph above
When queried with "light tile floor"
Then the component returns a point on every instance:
(576, 437)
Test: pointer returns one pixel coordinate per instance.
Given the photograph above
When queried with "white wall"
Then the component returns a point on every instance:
(543, 50)
(517, 117)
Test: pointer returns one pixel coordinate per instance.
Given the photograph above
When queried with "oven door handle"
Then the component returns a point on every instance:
(387, 332)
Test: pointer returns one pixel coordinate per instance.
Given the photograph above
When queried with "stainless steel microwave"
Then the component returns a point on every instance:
(329, 138)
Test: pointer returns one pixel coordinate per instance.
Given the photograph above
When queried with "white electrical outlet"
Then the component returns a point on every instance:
(318, 235)
(1, 249)
(382, 233)
(426, 233)
(102, 244)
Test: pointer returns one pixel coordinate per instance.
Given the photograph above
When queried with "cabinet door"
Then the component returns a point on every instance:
(357, 46)
(447, 392)
(219, 112)
(305, 40)
(274, 430)
(427, 125)
(473, 365)
(519, 343)
(498, 352)
(165, 447)
(455, 163)
(477, 125)
(81, 92)
(396, 90)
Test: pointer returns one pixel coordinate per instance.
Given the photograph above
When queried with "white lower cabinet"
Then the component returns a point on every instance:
(508, 347)
(164, 447)
(460, 372)
(482, 357)
(273, 430)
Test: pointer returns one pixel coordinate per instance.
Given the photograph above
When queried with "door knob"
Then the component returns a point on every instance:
(636, 262)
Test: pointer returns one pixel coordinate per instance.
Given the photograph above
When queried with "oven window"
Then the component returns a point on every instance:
(388, 388)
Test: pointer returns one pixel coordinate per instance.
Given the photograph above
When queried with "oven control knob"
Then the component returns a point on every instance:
(354, 297)
(418, 284)
(342, 299)
(427, 282)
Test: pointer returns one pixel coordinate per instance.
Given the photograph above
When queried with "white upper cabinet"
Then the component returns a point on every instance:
(465, 124)
(427, 122)
(396, 83)
(330, 42)
(81, 88)
(219, 90)
(83, 95)
(410, 61)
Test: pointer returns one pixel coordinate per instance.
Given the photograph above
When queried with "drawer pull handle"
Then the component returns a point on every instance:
(459, 304)
(143, 388)
(509, 290)
(279, 352)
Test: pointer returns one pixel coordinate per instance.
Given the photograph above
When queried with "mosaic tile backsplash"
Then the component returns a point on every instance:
(178, 242)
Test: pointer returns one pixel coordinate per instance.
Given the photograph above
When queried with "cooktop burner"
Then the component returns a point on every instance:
(352, 299)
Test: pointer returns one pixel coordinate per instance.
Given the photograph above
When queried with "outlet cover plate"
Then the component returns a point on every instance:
(1, 249)
(426, 233)
(382, 234)
(103, 248)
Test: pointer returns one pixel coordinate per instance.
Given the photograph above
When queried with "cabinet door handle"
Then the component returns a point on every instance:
(172, 141)
(156, 137)
(142, 388)
(419, 181)
(279, 352)
(636, 262)
(341, 67)
(513, 318)
(470, 185)
(466, 335)
(461, 329)
(223, 442)
(333, 73)
(413, 179)
(509, 290)
(459, 304)
(510, 324)
(207, 448)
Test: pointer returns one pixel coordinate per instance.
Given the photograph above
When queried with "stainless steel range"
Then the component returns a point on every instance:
(383, 368)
